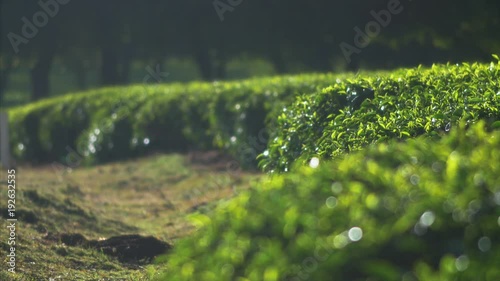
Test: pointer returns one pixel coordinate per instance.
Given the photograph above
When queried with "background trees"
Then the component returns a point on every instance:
(95, 43)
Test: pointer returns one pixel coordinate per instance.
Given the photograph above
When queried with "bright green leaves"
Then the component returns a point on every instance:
(419, 210)
(131, 121)
(376, 107)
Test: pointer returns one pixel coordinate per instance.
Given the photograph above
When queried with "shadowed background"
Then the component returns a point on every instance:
(87, 44)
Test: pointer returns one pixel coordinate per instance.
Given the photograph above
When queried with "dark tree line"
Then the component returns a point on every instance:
(292, 35)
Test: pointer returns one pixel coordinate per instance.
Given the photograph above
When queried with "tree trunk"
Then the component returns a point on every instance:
(278, 62)
(220, 68)
(125, 71)
(4, 77)
(107, 31)
(75, 62)
(40, 82)
(40, 73)
(109, 66)
(126, 62)
(205, 64)
(4, 73)
(320, 60)
(353, 66)
(81, 75)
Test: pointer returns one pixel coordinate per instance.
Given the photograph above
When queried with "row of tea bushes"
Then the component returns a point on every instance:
(371, 108)
(245, 117)
(120, 122)
(422, 210)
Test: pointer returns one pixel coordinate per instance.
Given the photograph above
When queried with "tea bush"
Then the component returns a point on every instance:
(245, 117)
(352, 113)
(120, 122)
(420, 210)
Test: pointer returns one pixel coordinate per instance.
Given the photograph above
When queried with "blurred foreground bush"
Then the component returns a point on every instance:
(420, 210)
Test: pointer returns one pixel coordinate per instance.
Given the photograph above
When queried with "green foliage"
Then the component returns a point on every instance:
(115, 123)
(419, 210)
(372, 108)
(243, 116)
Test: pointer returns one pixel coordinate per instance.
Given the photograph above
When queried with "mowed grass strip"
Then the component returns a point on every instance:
(151, 196)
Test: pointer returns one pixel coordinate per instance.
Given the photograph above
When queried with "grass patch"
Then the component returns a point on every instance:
(150, 196)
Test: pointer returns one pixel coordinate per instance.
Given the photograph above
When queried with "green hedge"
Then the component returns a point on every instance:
(372, 108)
(245, 117)
(120, 122)
(420, 210)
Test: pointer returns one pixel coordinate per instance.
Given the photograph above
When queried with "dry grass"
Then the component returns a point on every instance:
(148, 196)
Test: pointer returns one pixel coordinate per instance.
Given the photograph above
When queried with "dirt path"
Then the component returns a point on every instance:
(150, 197)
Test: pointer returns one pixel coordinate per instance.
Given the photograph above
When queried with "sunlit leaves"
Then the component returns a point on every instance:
(393, 211)
(406, 103)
